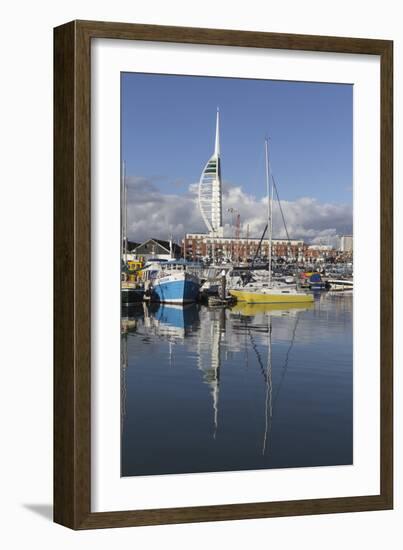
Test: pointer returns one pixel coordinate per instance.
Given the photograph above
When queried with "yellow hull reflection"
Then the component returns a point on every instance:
(250, 310)
(268, 298)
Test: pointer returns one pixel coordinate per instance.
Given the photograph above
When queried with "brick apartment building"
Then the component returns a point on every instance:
(200, 245)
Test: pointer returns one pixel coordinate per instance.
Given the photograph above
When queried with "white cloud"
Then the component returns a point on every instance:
(154, 214)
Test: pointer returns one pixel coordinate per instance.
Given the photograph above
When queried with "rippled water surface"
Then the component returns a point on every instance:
(245, 388)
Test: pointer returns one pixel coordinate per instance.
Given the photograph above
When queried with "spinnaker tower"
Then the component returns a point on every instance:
(210, 193)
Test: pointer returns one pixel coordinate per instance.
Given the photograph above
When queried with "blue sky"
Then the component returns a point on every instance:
(168, 133)
(168, 130)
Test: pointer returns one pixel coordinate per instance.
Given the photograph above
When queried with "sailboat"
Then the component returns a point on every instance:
(269, 292)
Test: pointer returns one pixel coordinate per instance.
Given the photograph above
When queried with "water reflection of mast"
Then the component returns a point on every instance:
(269, 387)
(270, 400)
(287, 357)
(267, 375)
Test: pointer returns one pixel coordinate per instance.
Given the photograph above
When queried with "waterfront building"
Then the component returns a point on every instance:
(197, 246)
(319, 253)
(157, 249)
(346, 243)
(320, 247)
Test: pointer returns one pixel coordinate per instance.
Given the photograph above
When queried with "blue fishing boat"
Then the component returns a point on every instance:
(172, 282)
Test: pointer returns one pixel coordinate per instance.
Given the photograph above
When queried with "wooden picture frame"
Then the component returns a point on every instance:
(72, 274)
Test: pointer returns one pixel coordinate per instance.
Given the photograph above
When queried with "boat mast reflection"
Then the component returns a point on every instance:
(252, 311)
(269, 386)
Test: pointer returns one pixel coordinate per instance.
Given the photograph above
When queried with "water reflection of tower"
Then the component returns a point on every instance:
(209, 355)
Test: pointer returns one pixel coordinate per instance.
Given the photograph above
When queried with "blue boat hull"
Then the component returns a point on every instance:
(176, 292)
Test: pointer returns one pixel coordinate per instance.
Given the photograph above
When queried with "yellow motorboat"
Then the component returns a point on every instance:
(257, 294)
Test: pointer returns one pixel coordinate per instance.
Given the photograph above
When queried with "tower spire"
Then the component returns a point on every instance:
(217, 134)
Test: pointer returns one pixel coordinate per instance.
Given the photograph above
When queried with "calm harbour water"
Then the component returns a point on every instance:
(246, 388)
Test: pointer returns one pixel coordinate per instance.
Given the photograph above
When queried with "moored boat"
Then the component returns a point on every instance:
(171, 282)
(258, 294)
(312, 280)
(341, 285)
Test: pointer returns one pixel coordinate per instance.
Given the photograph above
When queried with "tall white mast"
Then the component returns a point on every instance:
(269, 192)
(124, 213)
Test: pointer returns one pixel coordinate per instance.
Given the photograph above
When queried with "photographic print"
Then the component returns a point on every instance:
(236, 274)
(217, 194)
